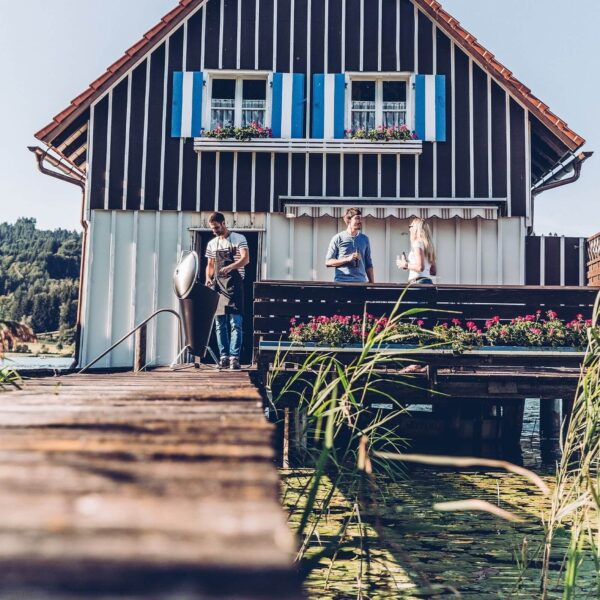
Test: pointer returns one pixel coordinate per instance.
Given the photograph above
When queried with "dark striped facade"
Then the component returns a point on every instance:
(135, 164)
(555, 260)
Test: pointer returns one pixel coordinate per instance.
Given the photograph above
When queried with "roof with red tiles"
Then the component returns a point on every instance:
(431, 7)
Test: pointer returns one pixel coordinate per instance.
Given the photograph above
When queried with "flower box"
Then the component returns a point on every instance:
(308, 146)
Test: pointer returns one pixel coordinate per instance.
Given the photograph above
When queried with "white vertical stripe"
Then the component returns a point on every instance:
(235, 164)
(90, 159)
(489, 134)
(152, 354)
(430, 129)
(108, 144)
(217, 179)
(416, 37)
(275, 31)
(360, 175)
(134, 251)
(379, 35)
(198, 179)
(127, 130)
(110, 308)
(324, 181)
(83, 354)
(164, 125)
(527, 126)
(183, 116)
(397, 35)
(180, 175)
(326, 39)
(478, 254)
(562, 260)
(221, 21)
(238, 40)
(471, 134)
(453, 94)
(187, 104)
(582, 265)
(308, 77)
(379, 175)
(543, 260)
(292, 30)
(203, 44)
(500, 242)
(397, 176)
(417, 165)
(256, 30)
(343, 37)
(362, 34)
(145, 138)
(508, 157)
(500, 251)
(286, 105)
(435, 144)
(272, 203)
(253, 184)
(329, 107)
(522, 252)
(342, 175)
(289, 174)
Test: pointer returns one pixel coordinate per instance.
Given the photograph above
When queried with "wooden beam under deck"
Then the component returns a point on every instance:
(157, 484)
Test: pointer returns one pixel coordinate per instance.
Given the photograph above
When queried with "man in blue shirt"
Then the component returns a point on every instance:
(350, 251)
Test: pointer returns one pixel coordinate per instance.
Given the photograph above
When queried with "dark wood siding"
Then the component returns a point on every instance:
(136, 137)
(572, 264)
(499, 158)
(518, 164)
(552, 261)
(480, 133)
(326, 36)
(172, 146)
(118, 128)
(562, 260)
(532, 260)
(99, 143)
(462, 151)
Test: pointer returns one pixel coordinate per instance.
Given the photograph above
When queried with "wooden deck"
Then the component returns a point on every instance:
(155, 485)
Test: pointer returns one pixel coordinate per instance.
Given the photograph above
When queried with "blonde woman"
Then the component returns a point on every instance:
(421, 260)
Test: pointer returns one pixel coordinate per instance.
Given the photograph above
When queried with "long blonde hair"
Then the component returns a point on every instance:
(422, 233)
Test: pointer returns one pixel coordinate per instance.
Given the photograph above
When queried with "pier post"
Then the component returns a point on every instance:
(550, 428)
(139, 357)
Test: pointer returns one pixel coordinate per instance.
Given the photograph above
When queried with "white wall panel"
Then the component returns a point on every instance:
(489, 252)
(446, 251)
(124, 276)
(96, 336)
(303, 249)
(512, 250)
(468, 252)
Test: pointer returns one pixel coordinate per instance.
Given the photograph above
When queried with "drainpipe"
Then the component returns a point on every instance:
(574, 161)
(70, 176)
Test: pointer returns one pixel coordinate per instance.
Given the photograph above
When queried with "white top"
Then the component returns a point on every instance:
(233, 242)
(412, 258)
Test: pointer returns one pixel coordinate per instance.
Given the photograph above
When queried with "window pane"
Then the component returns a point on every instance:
(223, 88)
(254, 89)
(394, 91)
(363, 90)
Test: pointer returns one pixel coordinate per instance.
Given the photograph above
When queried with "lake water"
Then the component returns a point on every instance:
(26, 363)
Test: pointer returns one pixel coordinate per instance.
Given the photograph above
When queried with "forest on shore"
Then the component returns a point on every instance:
(39, 277)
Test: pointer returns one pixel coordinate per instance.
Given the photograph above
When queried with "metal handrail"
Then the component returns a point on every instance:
(144, 322)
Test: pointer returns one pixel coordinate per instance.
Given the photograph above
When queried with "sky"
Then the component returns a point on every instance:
(51, 51)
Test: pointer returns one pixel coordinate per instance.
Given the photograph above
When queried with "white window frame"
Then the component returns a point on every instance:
(379, 78)
(239, 77)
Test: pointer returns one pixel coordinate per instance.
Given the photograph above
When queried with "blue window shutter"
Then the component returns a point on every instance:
(177, 104)
(186, 117)
(276, 103)
(430, 107)
(329, 101)
(298, 103)
(440, 108)
(287, 105)
(318, 106)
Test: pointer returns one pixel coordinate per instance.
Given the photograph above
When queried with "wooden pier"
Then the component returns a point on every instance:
(151, 485)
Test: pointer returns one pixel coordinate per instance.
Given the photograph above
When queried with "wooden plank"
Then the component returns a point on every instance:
(157, 483)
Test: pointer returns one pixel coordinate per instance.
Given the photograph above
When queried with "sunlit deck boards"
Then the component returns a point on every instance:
(158, 483)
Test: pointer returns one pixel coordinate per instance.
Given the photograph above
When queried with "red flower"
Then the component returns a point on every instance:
(455, 321)
(471, 325)
(551, 314)
(420, 322)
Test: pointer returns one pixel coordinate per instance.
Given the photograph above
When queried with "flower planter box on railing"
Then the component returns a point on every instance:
(309, 146)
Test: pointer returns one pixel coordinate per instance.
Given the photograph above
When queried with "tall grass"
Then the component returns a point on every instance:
(576, 497)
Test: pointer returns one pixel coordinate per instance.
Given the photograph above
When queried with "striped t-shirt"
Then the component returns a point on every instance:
(233, 242)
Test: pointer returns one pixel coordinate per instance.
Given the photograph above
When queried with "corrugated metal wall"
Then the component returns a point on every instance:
(132, 256)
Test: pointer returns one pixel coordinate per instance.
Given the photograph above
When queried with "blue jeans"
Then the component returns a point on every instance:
(229, 335)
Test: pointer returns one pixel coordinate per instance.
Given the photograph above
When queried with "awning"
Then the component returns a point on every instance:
(399, 211)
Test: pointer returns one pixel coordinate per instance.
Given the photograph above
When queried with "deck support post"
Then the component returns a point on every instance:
(550, 418)
(512, 421)
(139, 357)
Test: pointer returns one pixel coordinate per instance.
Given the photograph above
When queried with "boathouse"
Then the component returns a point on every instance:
(135, 141)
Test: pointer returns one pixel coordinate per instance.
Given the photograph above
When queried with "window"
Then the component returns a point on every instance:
(378, 102)
(238, 102)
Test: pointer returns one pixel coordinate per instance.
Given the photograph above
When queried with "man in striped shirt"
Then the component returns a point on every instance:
(227, 256)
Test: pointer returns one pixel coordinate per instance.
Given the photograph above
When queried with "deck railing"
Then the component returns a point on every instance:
(594, 260)
(276, 302)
